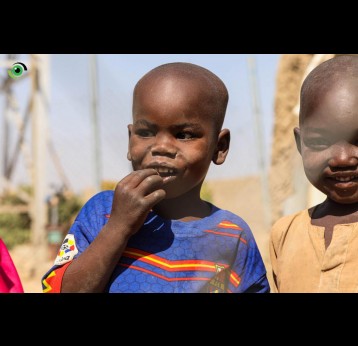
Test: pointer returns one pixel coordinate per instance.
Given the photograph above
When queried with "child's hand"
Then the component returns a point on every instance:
(134, 196)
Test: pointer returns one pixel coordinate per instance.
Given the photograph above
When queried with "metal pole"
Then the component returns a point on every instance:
(97, 164)
(39, 75)
(6, 126)
(259, 142)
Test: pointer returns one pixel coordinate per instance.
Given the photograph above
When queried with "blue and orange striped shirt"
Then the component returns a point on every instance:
(215, 254)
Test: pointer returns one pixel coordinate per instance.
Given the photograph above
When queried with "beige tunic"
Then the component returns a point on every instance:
(301, 263)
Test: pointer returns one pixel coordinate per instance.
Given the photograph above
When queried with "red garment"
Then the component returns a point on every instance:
(9, 278)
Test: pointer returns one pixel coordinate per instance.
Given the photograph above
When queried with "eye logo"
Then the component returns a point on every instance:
(17, 70)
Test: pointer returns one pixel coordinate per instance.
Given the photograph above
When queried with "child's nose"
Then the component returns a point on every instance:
(344, 155)
(164, 146)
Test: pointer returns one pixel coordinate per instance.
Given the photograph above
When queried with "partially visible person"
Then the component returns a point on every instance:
(316, 250)
(9, 279)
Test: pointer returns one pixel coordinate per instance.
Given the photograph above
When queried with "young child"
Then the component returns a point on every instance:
(316, 250)
(9, 278)
(154, 233)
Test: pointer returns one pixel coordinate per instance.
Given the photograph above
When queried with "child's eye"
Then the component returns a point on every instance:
(144, 133)
(317, 143)
(185, 135)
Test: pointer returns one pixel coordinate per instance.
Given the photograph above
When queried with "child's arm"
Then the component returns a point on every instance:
(254, 278)
(134, 197)
(278, 235)
(273, 257)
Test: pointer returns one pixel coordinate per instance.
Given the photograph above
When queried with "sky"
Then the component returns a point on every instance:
(69, 114)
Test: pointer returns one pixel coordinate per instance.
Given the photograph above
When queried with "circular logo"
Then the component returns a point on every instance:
(17, 70)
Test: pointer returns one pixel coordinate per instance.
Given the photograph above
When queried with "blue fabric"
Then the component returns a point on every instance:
(215, 254)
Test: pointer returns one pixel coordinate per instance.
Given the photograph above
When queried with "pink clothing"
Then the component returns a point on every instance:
(9, 278)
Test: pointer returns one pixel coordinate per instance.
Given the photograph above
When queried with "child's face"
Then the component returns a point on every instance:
(328, 142)
(173, 133)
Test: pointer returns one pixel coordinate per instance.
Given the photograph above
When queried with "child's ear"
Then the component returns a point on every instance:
(129, 157)
(222, 147)
(297, 133)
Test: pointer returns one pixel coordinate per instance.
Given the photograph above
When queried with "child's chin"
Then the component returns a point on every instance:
(345, 197)
(172, 192)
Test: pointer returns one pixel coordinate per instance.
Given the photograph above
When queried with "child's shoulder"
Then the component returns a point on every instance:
(96, 211)
(283, 224)
(99, 203)
(102, 196)
(222, 216)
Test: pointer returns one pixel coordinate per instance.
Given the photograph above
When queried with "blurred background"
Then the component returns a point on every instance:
(63, 138)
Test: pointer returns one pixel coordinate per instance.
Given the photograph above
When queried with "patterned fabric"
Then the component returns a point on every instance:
(9, 278)
(215, 254)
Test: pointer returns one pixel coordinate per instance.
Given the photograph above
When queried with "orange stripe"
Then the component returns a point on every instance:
(224, 233)
(228, 224)
(172, 266)
(164, 277)
(230, 227)
(243, 240)
(141, 253)
(234, 279)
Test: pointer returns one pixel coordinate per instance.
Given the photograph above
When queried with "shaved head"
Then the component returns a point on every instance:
(329, 75)
(210, 87)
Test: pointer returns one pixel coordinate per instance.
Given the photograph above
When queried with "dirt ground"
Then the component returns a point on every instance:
(241, 196)
(31, 266)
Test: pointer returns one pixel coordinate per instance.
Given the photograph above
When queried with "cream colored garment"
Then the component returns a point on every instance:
(301, 263)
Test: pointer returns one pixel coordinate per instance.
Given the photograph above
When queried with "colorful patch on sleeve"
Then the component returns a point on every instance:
(53, 281)
(67, 251)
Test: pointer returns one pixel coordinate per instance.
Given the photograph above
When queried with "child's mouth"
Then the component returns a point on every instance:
(164, 171)
(345, 182)
(168, 174)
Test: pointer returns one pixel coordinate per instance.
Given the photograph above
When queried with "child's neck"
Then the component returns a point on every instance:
(183, 208)
(347, 213)
(329, 214)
